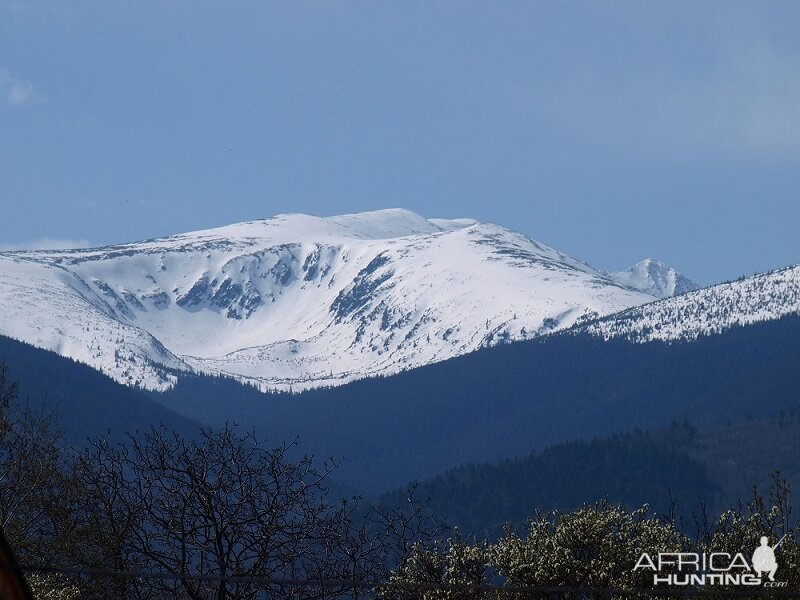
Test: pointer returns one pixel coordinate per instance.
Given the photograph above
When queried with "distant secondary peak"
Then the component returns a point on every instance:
(655, 278)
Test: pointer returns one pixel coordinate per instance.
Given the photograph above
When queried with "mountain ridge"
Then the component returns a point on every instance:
(298, 301)
(711, 310)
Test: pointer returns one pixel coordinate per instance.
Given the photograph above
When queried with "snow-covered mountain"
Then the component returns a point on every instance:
(304, 301)
(762, 297)
(655, 278)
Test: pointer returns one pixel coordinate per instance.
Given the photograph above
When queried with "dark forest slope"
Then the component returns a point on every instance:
(676, 468)
(86, 402)
(510, 400)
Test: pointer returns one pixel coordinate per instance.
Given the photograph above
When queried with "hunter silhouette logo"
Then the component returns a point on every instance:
(764, 558)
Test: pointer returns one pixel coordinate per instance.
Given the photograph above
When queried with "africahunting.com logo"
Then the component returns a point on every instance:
(714, 568)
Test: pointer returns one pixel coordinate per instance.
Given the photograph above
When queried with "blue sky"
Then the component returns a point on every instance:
(611, 130)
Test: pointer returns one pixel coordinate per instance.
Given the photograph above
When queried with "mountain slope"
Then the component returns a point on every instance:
(299, 301)
(762, 297)
(633, 468)
(716, 466)
(510, 399)
(85, 402)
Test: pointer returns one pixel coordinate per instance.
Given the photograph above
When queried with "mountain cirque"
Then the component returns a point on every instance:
(297, 301)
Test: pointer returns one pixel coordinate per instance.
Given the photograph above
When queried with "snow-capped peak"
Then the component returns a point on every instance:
(299, 300)
(383, 224)
(655, 278)
(394, 222)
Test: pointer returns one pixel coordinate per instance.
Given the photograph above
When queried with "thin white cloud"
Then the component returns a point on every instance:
(45, 243)
(16, 92)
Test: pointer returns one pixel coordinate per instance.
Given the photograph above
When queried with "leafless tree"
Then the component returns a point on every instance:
(398, 529)
(36, 497)
(221, 515)
(223, 507)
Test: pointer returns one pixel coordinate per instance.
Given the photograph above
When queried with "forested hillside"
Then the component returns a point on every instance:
(510, 400)
(632, 469)
(85, 402)
(675, 469)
